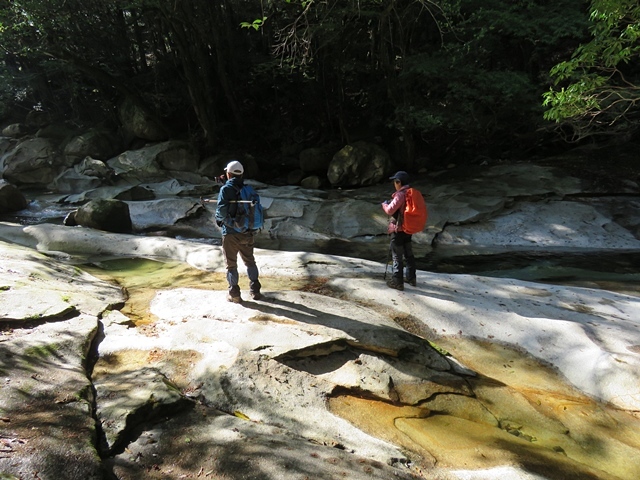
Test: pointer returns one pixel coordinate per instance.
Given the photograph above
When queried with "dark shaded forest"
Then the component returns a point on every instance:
(430, 81)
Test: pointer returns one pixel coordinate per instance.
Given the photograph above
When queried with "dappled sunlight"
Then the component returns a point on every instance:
(444, 438)
(226, 445)
(333, 330)
(177, 364)
(46, 397)
(566, 327)
(542, 422)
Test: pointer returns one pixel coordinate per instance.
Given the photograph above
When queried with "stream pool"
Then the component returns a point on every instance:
(614, 270)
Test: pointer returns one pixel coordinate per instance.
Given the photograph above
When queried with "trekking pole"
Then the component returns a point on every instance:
(386, 267)
(209, 200)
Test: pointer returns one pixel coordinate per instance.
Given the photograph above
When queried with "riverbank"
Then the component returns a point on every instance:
(211, 385)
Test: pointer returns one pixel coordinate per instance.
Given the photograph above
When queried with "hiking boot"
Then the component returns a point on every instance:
(395, 283)
(255, 295)
(411, 282)
(234, 299)
(234, 295)
(254, 290)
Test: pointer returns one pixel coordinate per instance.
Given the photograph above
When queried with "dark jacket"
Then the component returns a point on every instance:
(226, 207)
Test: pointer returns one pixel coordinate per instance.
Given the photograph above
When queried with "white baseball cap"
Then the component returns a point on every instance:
(234, 167)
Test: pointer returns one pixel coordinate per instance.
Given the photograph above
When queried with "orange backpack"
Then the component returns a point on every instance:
(415, 212)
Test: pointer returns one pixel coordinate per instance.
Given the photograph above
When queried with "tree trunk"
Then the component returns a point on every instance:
(223, 78)
(196, 65)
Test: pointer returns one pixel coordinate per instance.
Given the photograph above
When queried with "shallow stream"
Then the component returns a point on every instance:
(522, 413)
(613, 270)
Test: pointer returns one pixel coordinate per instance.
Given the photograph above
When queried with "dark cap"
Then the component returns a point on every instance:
(402, 176)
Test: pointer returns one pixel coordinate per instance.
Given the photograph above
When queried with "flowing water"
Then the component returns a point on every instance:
(614, 270)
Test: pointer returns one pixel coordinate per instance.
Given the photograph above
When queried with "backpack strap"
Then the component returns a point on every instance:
(401, 209)
(239, 198)
(248, 210)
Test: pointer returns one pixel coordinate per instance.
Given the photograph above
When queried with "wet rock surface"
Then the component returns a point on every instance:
(525, 206)
(11, 199)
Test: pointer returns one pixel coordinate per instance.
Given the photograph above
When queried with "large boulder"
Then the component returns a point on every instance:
(552, 225)
(144, 191)
(82, 177)
(94, 168)
(56, 131)
(154, 163)
(138, 123)
(312, 182)
(36, 119)
(6, 145)
(165, 213)
(359, 164)
(34, 162)
(71, 181)
(109, 215)
(15, 130)
(177, 156)
(11, 199)
(98, 143)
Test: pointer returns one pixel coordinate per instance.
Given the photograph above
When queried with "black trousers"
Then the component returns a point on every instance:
(401, 251)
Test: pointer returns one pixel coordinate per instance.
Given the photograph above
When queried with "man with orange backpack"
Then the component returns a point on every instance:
(408, 216)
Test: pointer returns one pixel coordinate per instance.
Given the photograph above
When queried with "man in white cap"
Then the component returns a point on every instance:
(235, 242)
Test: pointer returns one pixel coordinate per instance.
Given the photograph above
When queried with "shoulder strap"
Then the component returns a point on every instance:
(239, 193)
(405, 193)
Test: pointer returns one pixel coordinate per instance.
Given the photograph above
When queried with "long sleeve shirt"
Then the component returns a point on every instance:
(395, 208)
(226, 204)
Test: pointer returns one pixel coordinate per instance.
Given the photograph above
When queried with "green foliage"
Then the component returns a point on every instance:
(439, 349)
(480, 89)
(470, 100)
(596, 90)
(574, 100)
(256, 24)
(454, 76)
